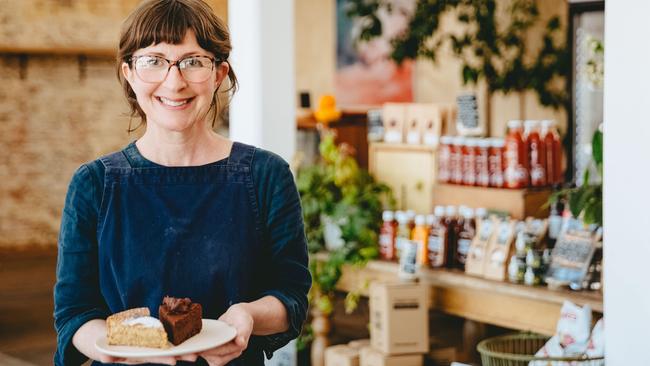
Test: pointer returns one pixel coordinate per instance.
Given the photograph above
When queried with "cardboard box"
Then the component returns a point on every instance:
(399, 321)
(519, 203)
(372, 357)
(359, 343)
(394, 116)
(341, 355)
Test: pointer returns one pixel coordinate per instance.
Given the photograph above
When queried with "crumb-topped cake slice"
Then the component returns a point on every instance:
(181, 318)
(136, 327)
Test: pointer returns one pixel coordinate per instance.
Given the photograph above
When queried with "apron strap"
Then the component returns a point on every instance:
(241, 154)
(115, 160)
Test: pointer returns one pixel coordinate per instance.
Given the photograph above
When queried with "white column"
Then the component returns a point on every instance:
(263, 111)
(627, 183)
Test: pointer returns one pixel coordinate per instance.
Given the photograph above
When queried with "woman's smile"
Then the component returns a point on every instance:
(174, 104)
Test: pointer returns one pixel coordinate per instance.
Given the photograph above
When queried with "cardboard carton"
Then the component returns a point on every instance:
(423, 123)
(372, 357)
(394, 116)
(341, 355)
(399, 317)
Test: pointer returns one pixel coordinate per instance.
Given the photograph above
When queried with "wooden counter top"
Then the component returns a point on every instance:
(500, 303)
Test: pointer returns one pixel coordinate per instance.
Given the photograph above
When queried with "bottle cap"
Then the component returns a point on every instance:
(420, 220)
(439, 211)
(530, 124)
(481, 212)
(387, 216)
(446, 140)
(468, 213)
(498, 143)
(546, 123)
(410, 215)
(484, 143)
(450, 211)
(470, 142)
(514, 123)
(431, 219)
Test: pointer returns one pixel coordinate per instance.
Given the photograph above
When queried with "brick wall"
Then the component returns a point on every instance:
(53, 118)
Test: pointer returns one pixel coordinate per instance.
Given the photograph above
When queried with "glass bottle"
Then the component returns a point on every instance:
(469, 162)
(466, 234)
(537, 153)
(553, 148)
(421, 236)
(516, 157)
(444, 159)
(456, 165)
(495, 161)
(403, 232)
(451, 223)
(482, 163)
(387, 235)
(437, 238)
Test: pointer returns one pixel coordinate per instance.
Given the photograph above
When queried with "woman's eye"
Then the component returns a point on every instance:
(192, 62)
(149, 61)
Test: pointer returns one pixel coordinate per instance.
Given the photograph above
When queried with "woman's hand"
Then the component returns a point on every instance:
(241, 319)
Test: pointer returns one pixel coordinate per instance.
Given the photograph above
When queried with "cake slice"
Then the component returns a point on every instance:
(181, 318)
(135, 327)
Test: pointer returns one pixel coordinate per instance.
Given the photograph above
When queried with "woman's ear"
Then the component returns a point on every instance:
(222, 72)
(127, 72)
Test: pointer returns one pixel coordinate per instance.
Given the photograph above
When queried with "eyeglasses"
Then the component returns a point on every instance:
(154, 69)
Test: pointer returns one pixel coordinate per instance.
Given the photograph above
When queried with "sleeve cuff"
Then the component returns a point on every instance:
(66, 353)
(273, 342)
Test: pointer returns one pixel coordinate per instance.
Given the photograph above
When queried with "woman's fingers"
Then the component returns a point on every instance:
(221, 360)
(190, 357)
(226, 349)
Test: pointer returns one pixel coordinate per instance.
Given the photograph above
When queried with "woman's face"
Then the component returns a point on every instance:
(175, 104)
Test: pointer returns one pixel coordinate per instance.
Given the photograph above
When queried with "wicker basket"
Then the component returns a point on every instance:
(519, 350)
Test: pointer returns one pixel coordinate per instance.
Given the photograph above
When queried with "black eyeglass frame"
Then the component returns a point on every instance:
(171, 63)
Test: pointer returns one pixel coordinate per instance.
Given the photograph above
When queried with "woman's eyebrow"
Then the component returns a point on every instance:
(193, 53)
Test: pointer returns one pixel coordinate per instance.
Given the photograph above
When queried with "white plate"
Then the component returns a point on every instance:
(214, 333)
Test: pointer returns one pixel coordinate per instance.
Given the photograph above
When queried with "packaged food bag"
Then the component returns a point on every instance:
(571, 336)
(596, 346)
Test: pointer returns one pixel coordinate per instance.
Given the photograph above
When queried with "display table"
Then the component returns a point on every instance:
(504, 304)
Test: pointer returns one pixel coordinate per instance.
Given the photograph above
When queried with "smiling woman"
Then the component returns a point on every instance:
(182, 211)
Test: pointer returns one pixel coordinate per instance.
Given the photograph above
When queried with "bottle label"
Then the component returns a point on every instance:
(463, 249)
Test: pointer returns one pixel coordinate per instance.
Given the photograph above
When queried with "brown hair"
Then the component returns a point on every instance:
(156, 21)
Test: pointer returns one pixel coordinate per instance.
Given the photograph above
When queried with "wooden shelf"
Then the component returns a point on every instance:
(504, 304)
(519, 203)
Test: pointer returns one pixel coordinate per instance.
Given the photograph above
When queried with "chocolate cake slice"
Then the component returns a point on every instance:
(181, 318)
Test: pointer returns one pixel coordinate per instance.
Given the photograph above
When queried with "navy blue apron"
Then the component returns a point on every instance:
(180, 231)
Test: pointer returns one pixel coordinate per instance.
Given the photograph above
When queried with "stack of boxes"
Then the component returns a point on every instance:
(399, 329)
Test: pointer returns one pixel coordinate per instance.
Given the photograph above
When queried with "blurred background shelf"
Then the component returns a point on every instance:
(503, 304)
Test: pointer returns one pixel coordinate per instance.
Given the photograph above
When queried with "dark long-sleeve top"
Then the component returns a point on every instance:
(77, 292)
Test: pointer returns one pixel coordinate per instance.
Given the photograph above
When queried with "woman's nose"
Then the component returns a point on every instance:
(174, 79)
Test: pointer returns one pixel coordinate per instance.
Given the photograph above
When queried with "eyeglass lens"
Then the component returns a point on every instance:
(154, 69)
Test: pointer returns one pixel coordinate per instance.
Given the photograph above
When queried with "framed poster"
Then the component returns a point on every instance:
(365, 74)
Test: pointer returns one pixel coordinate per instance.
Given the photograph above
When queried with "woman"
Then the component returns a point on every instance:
(182, 211)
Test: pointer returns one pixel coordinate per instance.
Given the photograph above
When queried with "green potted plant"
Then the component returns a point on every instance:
(335, 191)
(586, 200)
